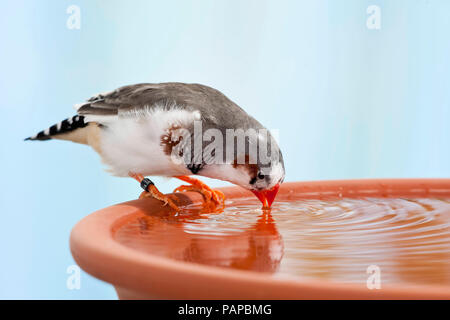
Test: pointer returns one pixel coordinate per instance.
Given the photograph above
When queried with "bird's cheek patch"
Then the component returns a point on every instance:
(170, 139)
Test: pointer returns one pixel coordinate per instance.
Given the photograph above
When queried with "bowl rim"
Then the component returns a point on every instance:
(96, 251)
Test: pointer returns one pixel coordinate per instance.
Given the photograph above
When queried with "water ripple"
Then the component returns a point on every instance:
(409, 239)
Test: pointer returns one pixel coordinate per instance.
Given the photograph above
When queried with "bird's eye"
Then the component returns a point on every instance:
(261, 176)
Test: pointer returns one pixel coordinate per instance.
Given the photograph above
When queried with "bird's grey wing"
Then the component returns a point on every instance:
(215, 108)
(121, 100)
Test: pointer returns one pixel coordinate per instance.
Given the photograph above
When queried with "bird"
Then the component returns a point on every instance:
(179, 130)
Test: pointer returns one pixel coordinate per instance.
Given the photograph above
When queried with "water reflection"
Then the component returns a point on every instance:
(258, 247)
(337, 239)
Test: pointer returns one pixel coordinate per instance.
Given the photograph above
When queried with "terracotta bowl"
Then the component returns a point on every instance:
(140, 275)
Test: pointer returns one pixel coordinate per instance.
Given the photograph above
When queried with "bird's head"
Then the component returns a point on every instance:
(263, 178)
(267, 174)
(265, 183)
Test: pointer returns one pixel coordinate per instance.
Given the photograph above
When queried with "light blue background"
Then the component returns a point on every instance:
(349, 102)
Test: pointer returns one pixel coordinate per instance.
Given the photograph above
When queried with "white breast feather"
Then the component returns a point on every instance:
(132, 141)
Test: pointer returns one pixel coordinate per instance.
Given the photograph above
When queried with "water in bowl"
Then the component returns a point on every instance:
(336, 239)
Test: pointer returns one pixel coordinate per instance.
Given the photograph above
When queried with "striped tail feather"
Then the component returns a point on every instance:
(64, 126)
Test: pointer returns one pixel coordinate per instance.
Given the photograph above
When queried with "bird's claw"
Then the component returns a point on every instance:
(161, 197)
(210, 196)
(218, 196)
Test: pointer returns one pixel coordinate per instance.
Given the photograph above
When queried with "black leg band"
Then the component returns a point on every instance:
(145, 183)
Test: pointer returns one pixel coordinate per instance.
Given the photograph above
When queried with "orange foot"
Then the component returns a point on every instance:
(153, 192)
(212, 197)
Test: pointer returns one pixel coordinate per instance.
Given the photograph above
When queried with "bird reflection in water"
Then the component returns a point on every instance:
(195, 237)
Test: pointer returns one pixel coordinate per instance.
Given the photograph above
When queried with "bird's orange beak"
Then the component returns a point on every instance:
(267, 196)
